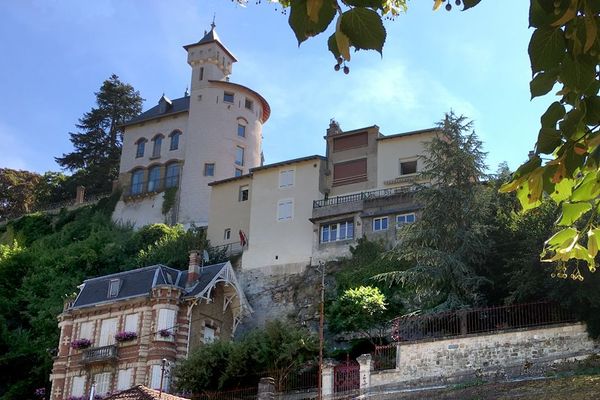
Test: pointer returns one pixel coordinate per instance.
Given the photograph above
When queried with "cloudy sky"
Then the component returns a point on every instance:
(55, 55)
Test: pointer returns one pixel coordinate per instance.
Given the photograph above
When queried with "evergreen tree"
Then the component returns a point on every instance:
(17, 192)
(95, 159)
(448, 244)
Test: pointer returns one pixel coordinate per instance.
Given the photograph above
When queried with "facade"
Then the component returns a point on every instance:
(173, 150)
(120, 327)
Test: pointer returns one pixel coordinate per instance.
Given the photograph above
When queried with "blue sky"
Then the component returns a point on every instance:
(55, 55)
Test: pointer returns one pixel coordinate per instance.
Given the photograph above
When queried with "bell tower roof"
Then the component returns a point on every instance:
(211, 37)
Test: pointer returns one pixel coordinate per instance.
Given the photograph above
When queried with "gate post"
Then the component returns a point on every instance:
(266, 389)
(397, 355)
(327, 379)
(366, 363)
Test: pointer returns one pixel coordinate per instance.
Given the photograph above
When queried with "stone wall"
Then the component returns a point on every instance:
(486, 354)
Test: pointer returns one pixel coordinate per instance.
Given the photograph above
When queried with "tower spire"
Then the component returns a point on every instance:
(212, 25)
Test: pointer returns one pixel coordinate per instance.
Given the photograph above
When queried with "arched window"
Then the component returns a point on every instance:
(140, 146)
(154, 179)
(156, 147)
(137, 181)
(172, 178)
(174, 140)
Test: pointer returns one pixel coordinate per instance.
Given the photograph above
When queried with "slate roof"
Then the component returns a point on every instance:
(211, 37)
(139, 282)
(179, 105)
(141, 392)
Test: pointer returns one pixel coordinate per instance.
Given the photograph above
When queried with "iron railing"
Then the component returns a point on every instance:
(99, 354)
(249, 393)
(384, 357)
(362, 196)
(479, 320)
(229, 249)
(150, 186)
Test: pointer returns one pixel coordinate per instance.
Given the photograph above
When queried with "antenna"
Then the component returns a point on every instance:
(213, 23)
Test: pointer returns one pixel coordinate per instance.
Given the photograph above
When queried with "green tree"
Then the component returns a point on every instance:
(95, 159)
(359, 310)
(17, 192)
(448, 244)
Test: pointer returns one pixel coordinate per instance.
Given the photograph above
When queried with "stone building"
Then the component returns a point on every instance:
(117, 330)
(173, 150)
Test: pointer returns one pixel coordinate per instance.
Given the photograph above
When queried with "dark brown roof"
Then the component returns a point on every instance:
(140, 392)
(397, 135)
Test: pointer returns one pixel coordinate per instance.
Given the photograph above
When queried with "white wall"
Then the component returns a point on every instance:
(391, 151)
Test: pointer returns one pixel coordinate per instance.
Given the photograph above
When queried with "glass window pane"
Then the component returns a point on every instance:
(350, 230)
(174, 141)
(172, 178)
(325, 234)
(241, 130)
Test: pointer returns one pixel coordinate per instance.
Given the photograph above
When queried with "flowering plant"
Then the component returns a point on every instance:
(125, 336)
(79, 344)
(165, 333)
(40, 392)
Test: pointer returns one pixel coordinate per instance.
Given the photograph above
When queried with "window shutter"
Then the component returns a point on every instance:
(166, 320)
(155, 382)
(107, 332)
(102, 383)
(131, 323)
(124, 379)
(285, 209)
(78, 386)
(86, 331)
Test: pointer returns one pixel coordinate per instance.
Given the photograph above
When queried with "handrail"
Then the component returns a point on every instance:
(361, 196)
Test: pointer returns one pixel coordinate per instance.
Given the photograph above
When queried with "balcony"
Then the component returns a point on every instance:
(99, 354)
(147, 188)
(362, 196)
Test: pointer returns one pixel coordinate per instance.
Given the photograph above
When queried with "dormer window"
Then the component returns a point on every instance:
(113, 288)
(164, 104)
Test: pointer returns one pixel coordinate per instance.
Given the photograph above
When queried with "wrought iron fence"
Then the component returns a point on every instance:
(384, 357)
(352, 198)
(249, 393)
(479, 320)
(150, 186)
(97, 354)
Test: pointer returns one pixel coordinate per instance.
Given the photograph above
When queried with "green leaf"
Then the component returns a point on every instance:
(378, 4)
(571, 212)
(302, 25)
(548, 140)
(542, 83)
(520, 174)
(546, 49)
(593, 241)
(562, 239)
(572, 125)
(588, 189)
(469, 4)
(541, 13)
(592, 107)
(577, 75)
(562, 190)
(573, 162)
(364, 28)
(332, 45)
(553, 114)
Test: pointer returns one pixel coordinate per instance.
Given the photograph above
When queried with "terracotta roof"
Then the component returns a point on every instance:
(140, 392)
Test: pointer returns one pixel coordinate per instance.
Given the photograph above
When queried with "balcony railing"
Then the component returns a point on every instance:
(356, 197)
(150, 186)
(229, 250)
(99, 354)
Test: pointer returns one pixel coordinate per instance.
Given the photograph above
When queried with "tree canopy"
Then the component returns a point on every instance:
(95, 159)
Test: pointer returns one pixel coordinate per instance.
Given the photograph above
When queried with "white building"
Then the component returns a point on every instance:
(173, 150)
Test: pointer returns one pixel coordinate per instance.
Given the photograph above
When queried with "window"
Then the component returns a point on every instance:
(172, 178)
(249, 104)
(404, 219)
(408, 167)
(286, 178)
(285, 210)
(156, 146)
(201, 73)
(137, 181)
(131, 323)
(155, 378)
(209, 335)
(166, 323)
(124, 379)
(78, 386)
(154, 179)
(87, 331)
(239, 155)
(107, 332)
(239, 172)
(227, 234)
(102, 382)
(139, 151)
(243, 194)
(113, 287)
(228, 97)
(241, 130)
(337, 231)
(380, 224)
(209, 169)
(174, 140)
(350, 172)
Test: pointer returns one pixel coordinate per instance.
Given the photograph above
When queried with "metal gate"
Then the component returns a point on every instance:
(346, 377)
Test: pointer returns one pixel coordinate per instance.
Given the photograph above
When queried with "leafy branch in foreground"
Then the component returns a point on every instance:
(565, 50)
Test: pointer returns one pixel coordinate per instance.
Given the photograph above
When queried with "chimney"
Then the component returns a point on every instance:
(193, 268)
(334, 128)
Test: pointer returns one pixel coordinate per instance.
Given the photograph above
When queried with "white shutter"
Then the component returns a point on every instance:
(155, 382)
(124, 379)
(209, 334)
(78, 386)
(102, 383)
(86, 331)
(285, 209)
(166, 321)
(131, 323)
(107, 332)
(286, 178)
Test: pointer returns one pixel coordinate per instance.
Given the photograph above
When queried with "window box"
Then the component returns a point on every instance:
(165, 333)
(125, 336)
(79, 344)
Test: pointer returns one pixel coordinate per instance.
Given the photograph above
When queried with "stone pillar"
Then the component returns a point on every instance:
(398, 355)
(366, 364)
(327, 379)
(80, 195)
(266, 389)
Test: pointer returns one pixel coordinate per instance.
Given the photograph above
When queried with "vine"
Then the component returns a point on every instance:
(169, 200)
